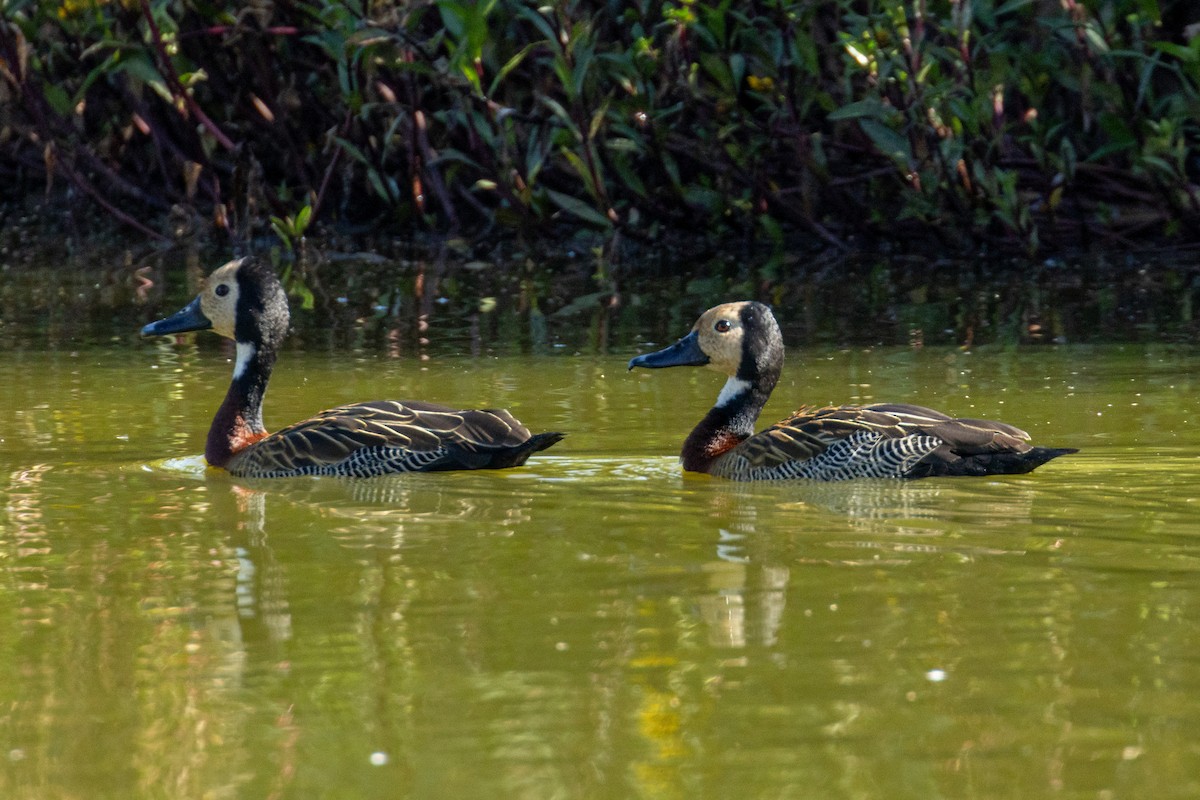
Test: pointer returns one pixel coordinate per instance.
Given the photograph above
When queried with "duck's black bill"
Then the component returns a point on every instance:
(684, 353)
(188, 318)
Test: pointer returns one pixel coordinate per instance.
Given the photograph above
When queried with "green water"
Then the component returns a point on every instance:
(596, 625)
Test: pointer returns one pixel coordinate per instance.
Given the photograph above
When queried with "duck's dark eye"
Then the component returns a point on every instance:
(722, 326)
(221, 290)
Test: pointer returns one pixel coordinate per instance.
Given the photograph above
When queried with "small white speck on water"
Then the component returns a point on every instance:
(378, 759)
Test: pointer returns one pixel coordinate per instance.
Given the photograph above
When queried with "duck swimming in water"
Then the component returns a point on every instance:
(244, 301)
(884, 440)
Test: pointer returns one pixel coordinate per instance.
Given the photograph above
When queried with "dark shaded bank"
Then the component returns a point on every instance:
(1032, 126)
(449, 297)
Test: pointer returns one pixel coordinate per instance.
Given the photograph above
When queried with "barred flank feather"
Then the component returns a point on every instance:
(865, 454)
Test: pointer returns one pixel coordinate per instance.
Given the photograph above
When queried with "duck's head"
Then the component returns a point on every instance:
(242, 300)
(741, 340)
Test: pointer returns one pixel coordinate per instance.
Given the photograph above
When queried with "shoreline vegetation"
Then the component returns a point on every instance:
(1028, 126)
(902, 160)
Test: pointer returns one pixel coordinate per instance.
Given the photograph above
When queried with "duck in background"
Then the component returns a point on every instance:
(244, 301)
(884, 440)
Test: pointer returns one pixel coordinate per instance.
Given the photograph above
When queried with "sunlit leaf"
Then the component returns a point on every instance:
(139, 66)
(583, 171)
(302, 218)
(1186, 54)
(509, 66)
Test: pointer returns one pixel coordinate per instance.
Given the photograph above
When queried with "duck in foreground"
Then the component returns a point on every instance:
(886, 440)
(244, 301)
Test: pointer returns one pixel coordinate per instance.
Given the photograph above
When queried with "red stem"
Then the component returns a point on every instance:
(177, 85)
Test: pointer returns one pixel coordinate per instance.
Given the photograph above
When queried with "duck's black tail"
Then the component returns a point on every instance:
(540, 441)
(979, 464)
(505, 456)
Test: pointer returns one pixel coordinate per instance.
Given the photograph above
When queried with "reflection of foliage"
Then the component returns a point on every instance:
(115, 677)
(1004, 124)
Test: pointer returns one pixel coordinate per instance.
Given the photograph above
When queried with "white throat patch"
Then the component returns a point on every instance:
(732, 389)
(245, 352)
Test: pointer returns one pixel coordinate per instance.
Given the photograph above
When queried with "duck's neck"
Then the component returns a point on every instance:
(729, 423)
(238, 422)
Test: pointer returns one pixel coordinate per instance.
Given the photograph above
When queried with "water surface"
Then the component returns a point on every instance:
(597, 624)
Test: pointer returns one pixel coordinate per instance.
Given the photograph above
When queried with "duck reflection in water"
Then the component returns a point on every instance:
(872, 524)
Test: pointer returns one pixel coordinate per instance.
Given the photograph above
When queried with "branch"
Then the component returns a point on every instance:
(177, 85)
(84, 184)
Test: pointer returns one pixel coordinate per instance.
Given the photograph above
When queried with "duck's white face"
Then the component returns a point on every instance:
(219, 298)
(721, 333)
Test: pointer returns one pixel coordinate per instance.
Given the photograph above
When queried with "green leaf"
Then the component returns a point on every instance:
(584, 172)
(886, 140)
(307, 299)
(452, 155)
(1165, 168)
(871, 107)
(710, 200)
(352, 149)
(598, 118)
(377, 184)
(718, 70)
(1187, 55)
(1066, 152)
(454, 17)
(1012, 5)
(509, 66)
(1117, 128)
(141, 68)
(628, 174)
(737, 69)
(561, 114)
(535, 156)
(542, 24)
(583, 53)
(578, 208)
(1092, 33)
(110, 64)
(671, 167)
(58, 99)
(281, 231)
(302, 219)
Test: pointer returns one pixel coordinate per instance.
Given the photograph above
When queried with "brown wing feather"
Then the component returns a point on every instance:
(809, 431)
(426, 430)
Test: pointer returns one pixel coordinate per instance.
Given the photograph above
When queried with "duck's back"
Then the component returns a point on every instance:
(886, 440)
(386, 436)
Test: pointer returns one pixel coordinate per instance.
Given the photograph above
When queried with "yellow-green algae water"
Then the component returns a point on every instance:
(596, 624)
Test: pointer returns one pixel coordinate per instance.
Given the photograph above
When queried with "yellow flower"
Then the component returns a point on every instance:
(761, 84)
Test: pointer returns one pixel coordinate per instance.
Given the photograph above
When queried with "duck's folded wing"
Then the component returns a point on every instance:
(809, 432)
(421, 426)
(398, 436)
(962, 435)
